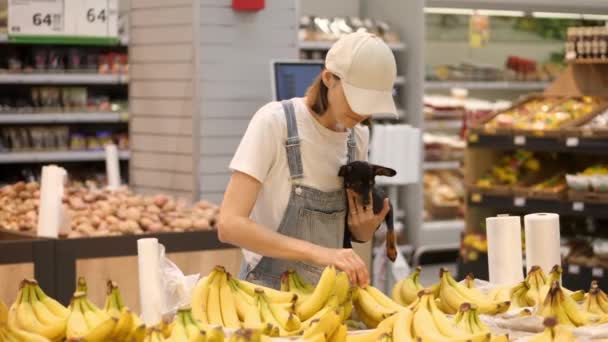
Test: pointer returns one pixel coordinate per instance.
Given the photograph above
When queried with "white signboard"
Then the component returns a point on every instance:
(35, 17)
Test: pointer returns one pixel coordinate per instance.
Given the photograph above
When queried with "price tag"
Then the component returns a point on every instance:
(574, 269)
(597, 272)
(519, 140)
(519, 201)
(578, 206)
(572, 142)
(92, 18)
(35, 17)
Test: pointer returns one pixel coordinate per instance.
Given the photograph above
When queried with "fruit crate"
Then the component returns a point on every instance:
(68, 251)
(579, 277)
(19, 248)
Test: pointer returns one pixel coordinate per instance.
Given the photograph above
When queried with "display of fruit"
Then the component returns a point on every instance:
(510, 170)
(96, 212)
(129, 326)
(557, 304)
(372, 306)
(596, 301)
(553, 332)
(546, 113)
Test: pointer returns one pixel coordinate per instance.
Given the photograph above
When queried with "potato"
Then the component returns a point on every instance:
(133, 225)
(155, 227)
(133, 214)
(160, 200)
(76, 203)
(201, 223)
(112, 219)
(152, 209)
(89, 198)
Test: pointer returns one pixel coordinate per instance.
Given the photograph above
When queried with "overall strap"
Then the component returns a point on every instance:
(352, 146)
(292, 145)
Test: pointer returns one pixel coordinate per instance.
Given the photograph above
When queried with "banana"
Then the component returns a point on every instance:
(81, 285)
(200, 295)
(320, 295)
(442, 323)
(77, 325)
(316, 338)
(272, 294)
(288, 319)
(267, 316)
(396, 293)
(500, 294)
(21, 316)
(372, 308)
(246, 307)
(102, 331)
(339, 335)
(214, 309)
(383, 327)
(363, 317)
(229, 314)
(562, 307)
(301, 283)
(92, 314)
(326, 325)
(410, 287)
(138, 334)
(402, 328)
(342, 287)
(536, 279)
(296, 287)
(553, 332)
(215, 335)
(382, 299)
(54, 306)
(424, 328)
(453, 294)
(179, 332)
(285, 286)
(124, 326)
(43, 314)
(518, 295)
(154, 335)
(467, 319)
(8, 334)
(348, 309)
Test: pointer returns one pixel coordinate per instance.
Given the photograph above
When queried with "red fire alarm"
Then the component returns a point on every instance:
(247, 5)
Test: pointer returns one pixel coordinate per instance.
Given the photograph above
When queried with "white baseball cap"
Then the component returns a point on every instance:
(367, 69)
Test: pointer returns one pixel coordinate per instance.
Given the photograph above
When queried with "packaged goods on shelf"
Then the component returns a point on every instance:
(515, 69)
(315, 28)
(95, 212)
(587, 43)
(510, 170)
(443, 147)
(48, 138)
(543, 115)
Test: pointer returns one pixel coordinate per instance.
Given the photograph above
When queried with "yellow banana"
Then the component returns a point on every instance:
(320, 295)
(179, 332)
(288, 319)
(92, 314)
(154, 335)
(301, 283)
(246, 307)
(467, 319)
(43, 314)
(553, 332)
(295, 286)
(77, 325)
(382, 299)
(339, 335)
(411, 286)
(315, 338)
(402, 329)
(214, 309)
(364, 317)
(215, 334)
(500, 294)
(124, 326)
(8, 334)
(200, 295)
(229, 314)
(326, 325)
(454, 294)
(342, 287)
(518, 295)
(272, 294)
(442, 323)
(54, 306)
(22, 317)
(396, 293)
(81, 285)
(102, 331)
(372, 308)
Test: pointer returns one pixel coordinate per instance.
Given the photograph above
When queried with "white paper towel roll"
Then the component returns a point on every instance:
(50, 215)
(150, 292)
(505, 263)
(542, 241)
(112, 167)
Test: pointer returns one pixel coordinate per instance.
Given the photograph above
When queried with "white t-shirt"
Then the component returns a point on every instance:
(262, 155)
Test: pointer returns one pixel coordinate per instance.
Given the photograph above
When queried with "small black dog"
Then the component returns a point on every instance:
(359, 176)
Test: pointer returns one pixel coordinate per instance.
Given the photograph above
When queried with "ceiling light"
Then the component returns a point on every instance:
(443, 10)
(498, 13)
(556, 15)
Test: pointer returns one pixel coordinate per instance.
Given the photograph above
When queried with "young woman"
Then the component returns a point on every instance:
(285, 205)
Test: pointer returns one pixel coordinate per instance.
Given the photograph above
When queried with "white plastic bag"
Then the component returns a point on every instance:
(177, 288)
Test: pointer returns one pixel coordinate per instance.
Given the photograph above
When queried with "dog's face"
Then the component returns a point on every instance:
(360, 177)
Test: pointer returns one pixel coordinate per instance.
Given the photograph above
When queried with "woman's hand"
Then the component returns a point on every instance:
(362, 221)
(345, 259)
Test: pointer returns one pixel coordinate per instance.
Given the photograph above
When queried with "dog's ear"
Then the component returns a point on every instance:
(383, 171)
(344, 170)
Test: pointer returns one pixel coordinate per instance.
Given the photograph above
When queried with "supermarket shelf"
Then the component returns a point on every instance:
(76, 117)
(589, 61)
(489, 85)
(533, 143)
(443, 124)
(527, 205)
(326, 45)
(59, 156)
(443, 225)
(440, 165)
(62, 78)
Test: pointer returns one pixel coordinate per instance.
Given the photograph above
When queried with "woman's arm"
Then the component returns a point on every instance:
(236, 228)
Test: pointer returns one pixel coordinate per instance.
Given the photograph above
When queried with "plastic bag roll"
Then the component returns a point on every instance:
(50, 215)
(150, 292)
(542, 241)
(505, 262)
(112, 167)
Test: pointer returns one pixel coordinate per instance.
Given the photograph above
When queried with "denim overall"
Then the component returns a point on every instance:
(311, 215)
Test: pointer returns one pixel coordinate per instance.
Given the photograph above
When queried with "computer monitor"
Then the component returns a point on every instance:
(291, 78)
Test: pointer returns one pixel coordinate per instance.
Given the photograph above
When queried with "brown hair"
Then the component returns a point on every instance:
(316, 96)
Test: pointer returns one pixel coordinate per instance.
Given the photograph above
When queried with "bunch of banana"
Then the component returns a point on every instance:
(187, 329)
(328, 327)
(35, 313)
(86, 321)
(397, 328)
(129, 327)
(405, 291)
(467, 319)
(565, 309)
(154, 335)
(279, 316)
(517, 294)
(373, 306)
(556, 275)
(430, 324)
(553, 332)
(536, 279)
(292, 282)
(10, 334)
(596, 301)
(452, 295)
